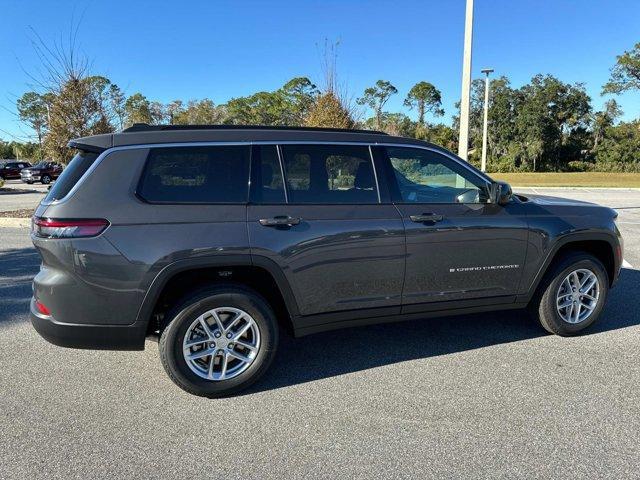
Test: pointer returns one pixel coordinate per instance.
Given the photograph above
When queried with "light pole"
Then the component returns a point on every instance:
(486, 71)
(463, 138)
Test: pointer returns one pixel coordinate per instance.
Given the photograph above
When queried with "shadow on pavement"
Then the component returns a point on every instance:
(345, 351)
(350, 350)
(17, 269)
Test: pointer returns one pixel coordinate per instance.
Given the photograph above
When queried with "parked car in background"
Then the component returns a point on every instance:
(11, 169)
(43, 172)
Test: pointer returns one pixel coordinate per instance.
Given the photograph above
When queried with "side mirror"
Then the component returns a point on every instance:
(501, 193)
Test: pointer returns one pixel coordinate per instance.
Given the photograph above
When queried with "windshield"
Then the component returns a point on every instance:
(41, 164)
(70, 175)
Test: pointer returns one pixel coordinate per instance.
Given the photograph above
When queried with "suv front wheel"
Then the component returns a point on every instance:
(572, 295)
(219, 341)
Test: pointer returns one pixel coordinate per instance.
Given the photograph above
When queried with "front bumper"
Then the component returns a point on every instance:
(98, 337)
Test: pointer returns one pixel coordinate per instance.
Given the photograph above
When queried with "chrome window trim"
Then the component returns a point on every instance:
(145, 146)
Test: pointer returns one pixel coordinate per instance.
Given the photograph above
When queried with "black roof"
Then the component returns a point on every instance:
(143, 134)
(145, 127)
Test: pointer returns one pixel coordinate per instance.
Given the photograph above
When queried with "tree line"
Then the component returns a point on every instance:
(545, 125)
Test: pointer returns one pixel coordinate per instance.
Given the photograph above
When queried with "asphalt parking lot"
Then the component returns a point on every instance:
(483, 396)
(16, 195)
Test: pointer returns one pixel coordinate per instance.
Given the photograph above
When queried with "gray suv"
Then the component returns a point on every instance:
(215, 238)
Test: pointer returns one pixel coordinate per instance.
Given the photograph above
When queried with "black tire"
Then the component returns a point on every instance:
(46, 180)
(181, 317)
(543, 305)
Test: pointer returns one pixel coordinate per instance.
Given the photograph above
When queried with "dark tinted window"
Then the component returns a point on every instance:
(268, 175)
(329, 174)
(425, 176)
(196, 175)
(70, 175)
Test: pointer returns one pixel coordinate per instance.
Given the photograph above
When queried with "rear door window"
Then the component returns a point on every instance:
(329, 174)
(70, 175)
(206, 175)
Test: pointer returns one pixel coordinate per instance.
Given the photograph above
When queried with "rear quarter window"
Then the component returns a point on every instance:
(70, 175)
(196, 175)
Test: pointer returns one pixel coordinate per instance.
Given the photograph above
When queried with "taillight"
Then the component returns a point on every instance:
(41, 307)
(62, 228)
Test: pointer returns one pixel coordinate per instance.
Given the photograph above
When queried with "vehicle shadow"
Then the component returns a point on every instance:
(17, 269)
(314, 357)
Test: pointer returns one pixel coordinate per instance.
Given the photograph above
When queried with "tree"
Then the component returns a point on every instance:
(117, 101)
(76, 111)
(605, 119)
(619, 150)
(32, 109)
(197, 112)
(299, 95)
(328, 111)
(375, 97)
(625, 74)
(286, 106)
(426, 98)
(137, 109)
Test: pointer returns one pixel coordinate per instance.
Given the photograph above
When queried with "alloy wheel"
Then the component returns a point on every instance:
(221, 343)
(578, 296)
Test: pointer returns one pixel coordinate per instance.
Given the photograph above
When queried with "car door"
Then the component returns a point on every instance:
(460, 247)
(316, 212)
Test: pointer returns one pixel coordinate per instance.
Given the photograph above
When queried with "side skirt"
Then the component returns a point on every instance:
(306, 325)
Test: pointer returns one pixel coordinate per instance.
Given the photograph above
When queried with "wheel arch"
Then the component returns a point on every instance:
(603, 246)
(178, 278)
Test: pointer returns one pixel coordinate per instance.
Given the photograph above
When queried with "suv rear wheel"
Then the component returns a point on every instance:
(219, 341)
(572, 295)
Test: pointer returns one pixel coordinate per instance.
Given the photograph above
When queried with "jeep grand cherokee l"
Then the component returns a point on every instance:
(215, 238)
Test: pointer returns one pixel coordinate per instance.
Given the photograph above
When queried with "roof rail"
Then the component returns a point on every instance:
(145, 127)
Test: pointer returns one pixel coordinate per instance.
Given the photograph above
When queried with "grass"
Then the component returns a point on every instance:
(579, 179)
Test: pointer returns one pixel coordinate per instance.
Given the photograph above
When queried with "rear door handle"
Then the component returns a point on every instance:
(426, 217)
(279, 221)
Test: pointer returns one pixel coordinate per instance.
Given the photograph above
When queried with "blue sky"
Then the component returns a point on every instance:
(222, 49)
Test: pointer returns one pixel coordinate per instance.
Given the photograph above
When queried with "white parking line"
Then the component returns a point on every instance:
(626, 264)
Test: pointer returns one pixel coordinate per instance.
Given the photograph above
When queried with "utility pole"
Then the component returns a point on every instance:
(486, 71)
(463, 138)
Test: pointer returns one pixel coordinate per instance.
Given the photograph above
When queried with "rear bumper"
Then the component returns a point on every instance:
(98, 337)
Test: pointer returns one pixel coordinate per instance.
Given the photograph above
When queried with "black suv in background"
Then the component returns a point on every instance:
(43, 172)
(11, 169)
(215, 238)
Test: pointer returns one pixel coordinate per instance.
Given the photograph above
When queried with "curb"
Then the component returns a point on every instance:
(12, 222)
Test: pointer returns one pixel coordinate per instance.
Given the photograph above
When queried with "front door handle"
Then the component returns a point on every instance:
(426, 217)
(279, 221)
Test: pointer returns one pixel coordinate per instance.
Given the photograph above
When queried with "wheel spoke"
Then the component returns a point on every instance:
(212, 361)
(565, 304)
(576, 279)
(239, 356)
(588, 307)
(235, 320)
(246, 345)
(201, 353)
(193, 343)
(218, 321)
(591, 283)
(223, 365)
(589, 297)
(578, 309)
(241, 332)
(205, 327)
